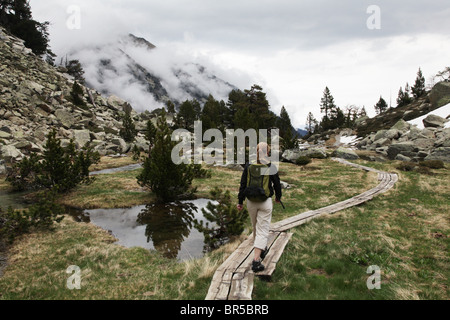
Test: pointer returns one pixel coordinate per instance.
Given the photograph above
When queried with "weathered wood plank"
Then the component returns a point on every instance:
(241, 286)
(274, 254)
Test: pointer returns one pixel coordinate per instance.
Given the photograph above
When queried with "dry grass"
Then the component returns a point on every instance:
(112, 162)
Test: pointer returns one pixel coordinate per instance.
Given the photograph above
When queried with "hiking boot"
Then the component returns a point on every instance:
(257, 266)
(264, 253)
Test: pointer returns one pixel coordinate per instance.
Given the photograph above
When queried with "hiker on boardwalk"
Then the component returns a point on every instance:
(258, 184)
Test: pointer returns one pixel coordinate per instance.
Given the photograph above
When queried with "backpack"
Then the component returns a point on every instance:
(258, 179)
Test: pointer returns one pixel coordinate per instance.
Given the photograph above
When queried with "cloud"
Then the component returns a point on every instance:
(292, 48)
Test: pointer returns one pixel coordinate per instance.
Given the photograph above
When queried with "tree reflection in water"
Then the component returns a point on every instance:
(168, 225)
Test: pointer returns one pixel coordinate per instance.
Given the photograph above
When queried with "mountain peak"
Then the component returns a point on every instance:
(142, 42)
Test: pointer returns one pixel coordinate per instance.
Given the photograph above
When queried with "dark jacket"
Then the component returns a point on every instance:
(274, 185)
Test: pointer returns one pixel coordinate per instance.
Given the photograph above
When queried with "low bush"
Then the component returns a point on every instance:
(40, 216)
(58, 168)
(303, 161)
(433, 164)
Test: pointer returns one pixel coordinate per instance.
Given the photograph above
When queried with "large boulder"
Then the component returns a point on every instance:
(123, 147)
(440, 94)
(434, 121)
(116, 103)
(402, 126)
(291, 155)
(440, 154)
(81, 138)
(10, 153)
(408, 149)
(65, 117)
(345, 153)
(313, 153)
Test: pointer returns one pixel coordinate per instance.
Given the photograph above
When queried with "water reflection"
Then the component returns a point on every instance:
(167, 228)
(168, 225)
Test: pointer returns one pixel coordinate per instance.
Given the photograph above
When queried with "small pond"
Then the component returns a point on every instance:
(166, 228)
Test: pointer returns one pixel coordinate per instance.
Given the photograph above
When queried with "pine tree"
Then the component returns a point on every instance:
(311, 123)
(259, 107)
(76, 95)
(75, 69)
(16, 17)
(210, 114)
(329, 108)
(161, 175)
(418, 90)
(188, 113)
(227, 221)
(170, 107)
(403, 98)
(287, 131)
(128, 132)
(381, 106)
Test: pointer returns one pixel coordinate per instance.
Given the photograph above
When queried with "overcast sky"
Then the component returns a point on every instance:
(293, 49)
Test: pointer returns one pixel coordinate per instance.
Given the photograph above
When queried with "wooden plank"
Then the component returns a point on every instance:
(241, 286)
(274, 254)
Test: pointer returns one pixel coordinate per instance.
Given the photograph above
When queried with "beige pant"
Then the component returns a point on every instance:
(261, 216)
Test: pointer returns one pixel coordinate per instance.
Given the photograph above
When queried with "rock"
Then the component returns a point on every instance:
(382, 150)
(362, 121)
(10, 153)
(81, 137)
(440, 94)
(6, 129)
(116, 103)
(413, 133)
(65, 117)
(434, 121)
(429, 133)
(344, 153)
(314, 153)
(291, 155)
(123, 146)
(380, 135)
(440, 154)
(285, 185)
(405, 148)
(392, 134)
(401, 157)
(5, 135)
(424, 144)
(23, 145)
(382, 142)
(142, 143)
(402, 126)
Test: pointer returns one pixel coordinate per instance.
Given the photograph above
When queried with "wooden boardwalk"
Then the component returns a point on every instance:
(233, 280)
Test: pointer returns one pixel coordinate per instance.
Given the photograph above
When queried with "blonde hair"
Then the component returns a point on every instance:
(262, 151)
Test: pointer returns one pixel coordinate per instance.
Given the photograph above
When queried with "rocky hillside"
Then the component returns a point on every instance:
(436, 98)
(35, 98)
(391, 135)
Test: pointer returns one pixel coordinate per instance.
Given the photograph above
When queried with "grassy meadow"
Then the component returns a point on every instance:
(404, 232)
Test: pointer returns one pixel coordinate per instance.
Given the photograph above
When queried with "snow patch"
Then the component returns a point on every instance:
(443, 112)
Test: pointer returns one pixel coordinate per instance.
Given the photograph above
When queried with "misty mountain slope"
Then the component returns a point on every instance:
(135, 70)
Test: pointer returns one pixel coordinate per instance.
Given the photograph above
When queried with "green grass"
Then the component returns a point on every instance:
(404, 232)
